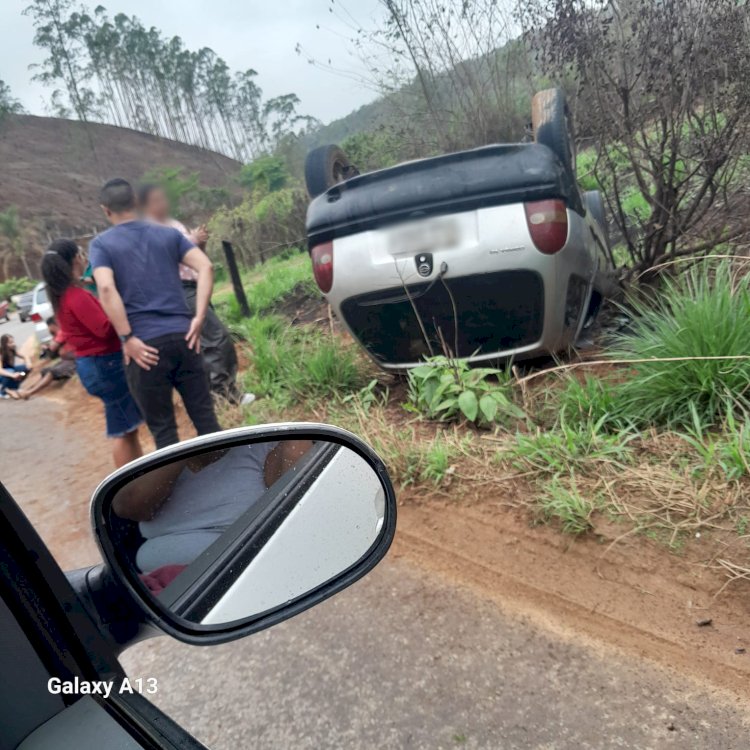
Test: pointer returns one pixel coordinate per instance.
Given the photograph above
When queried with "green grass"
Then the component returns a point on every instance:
(562, 503)
(292, 365)
(267, 285)
(700, 314)
(725, 453)
(592, 401)
(567, 447)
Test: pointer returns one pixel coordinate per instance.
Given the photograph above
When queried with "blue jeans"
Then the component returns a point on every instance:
(103, 376)
(10, 384)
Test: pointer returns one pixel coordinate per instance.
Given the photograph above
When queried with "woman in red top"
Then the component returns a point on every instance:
(97, 347)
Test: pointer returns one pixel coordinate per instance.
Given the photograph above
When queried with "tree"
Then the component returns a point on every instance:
(451, 73)
(8, 104)
(12, 231)
(268, 173)
(662, 93)
(119, 71)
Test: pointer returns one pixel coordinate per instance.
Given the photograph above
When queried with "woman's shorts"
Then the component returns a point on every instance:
(103, 376)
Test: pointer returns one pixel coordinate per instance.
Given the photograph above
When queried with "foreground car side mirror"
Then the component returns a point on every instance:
(227, 534)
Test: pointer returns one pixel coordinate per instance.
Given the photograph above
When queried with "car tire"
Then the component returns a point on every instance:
(594, 202)
(553, 126)
(325, 167)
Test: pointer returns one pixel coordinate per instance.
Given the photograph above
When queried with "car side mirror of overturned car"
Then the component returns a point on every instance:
(224, 535)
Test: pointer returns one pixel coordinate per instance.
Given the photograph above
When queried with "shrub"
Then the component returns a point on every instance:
(697, 315)
(11, 287)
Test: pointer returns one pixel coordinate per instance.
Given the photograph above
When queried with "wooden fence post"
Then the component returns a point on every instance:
(234, 273)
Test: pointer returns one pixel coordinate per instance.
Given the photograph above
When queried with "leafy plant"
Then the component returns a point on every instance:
(447, 389)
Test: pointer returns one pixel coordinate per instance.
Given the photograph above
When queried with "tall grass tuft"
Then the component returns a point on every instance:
(294, 364)
(700, 314)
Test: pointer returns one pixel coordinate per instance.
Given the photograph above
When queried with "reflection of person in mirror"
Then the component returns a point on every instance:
(185, 506)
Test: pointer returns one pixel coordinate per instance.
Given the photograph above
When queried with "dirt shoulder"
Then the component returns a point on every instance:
(634, 595)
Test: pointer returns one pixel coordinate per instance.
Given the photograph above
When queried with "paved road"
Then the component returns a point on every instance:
(402, 659)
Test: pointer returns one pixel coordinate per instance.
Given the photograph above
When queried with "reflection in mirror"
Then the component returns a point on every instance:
(228, 534)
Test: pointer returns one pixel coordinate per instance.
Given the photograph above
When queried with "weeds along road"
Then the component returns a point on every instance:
(407, 658)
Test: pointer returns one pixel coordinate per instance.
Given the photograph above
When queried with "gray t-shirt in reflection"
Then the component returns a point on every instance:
(202, 505)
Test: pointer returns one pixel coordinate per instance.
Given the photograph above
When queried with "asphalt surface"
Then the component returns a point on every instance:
(405, 660)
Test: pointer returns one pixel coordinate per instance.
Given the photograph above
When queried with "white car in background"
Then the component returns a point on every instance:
(41, 311)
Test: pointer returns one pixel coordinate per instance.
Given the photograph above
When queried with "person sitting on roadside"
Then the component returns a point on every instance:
(12, 374)
(97, 348)
(217, 346)
(62, 370)
(136, 268)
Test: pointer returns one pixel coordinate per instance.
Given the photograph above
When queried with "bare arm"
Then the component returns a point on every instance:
(283, 457)
(141, 499)
(199, 262)
(144, 355)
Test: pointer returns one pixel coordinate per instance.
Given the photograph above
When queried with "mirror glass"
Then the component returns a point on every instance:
(225, 535)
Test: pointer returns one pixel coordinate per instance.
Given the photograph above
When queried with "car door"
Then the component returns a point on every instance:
(48, 640)
(324, 516)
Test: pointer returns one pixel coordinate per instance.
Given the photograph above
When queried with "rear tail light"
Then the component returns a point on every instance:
(548, 225)
(36, 318)
(322, 262)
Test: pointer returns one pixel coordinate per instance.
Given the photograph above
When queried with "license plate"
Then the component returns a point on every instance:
(424, 237)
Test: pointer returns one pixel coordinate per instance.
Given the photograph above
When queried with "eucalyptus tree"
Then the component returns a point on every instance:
(9, 105)
(117, 70)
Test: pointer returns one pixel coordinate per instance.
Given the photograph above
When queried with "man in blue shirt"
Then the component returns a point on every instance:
(136, 268)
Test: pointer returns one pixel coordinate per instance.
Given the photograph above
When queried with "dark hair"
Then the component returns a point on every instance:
(57, 269)
(145, 191)
(51, 321)
(7, 355)
(117, 195)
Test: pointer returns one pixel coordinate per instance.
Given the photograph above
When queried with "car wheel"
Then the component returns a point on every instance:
(595, 206)
(553, 126)
(325, 167)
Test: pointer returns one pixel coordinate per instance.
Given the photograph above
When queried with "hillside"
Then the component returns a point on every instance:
(49, 171)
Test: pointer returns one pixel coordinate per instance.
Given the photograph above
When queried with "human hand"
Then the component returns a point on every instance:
(201, 235)
(142, 354)
(18, 375)
(193, 336)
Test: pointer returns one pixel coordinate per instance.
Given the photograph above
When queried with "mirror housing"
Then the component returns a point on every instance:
(240, 543)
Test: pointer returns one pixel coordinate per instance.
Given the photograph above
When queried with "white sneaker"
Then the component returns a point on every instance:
(247, 399)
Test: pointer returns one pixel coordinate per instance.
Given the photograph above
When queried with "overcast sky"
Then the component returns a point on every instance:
(259, 34)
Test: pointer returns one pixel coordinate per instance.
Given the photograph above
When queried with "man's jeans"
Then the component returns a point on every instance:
(179, 368)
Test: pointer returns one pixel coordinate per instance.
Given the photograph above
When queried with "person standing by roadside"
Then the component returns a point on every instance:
(90, 335)
(217, 346)
(136, 269)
